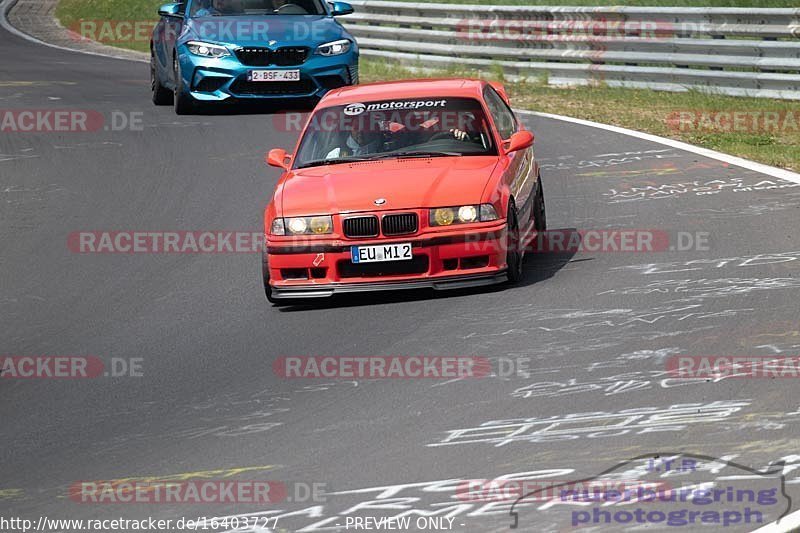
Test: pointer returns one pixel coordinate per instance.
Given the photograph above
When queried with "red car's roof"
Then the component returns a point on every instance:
(404, 89)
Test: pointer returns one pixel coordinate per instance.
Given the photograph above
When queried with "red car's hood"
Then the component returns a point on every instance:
(406, 184)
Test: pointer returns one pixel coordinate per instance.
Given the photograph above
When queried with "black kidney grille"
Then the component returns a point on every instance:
(288, 56)
(254, 56)
(401, 224)
(304, 86)
(361, 226)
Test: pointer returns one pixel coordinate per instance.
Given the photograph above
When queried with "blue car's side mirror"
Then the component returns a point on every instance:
(340, 8)
(170, 10)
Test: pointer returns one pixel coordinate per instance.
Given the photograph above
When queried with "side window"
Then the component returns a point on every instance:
(503, 116)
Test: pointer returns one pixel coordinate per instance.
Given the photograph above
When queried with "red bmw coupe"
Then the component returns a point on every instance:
(400, 185)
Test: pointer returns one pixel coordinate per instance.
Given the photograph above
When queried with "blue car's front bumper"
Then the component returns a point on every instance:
(219, 79)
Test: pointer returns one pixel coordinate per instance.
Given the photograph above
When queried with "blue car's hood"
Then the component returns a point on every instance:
(269, 30)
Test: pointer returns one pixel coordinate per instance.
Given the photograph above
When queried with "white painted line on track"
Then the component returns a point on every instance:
(775, 172)
(787, 524)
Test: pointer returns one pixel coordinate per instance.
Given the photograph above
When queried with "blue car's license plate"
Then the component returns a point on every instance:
(273, 75)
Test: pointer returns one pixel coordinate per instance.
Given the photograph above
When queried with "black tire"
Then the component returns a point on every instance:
(514, 256)
(161, 95)
(184, 103)
(539, 211)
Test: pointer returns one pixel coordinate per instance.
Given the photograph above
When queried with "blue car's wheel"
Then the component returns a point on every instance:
(183, 101)
(161, 95)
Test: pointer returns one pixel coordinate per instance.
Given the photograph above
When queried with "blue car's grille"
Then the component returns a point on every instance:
(287, 56)
(244, 87)
(210, 84)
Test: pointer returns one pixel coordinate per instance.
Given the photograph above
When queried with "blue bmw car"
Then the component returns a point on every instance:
(207, 51)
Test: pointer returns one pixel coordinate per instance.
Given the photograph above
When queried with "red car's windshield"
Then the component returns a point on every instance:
(435, 126)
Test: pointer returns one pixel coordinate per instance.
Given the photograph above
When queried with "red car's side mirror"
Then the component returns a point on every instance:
(278, 157)
(519, 141)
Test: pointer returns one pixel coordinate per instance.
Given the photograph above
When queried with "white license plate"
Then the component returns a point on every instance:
(381, 253)
(273, 75)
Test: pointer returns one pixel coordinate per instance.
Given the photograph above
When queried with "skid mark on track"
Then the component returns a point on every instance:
(700, 289)
(15, 157)
(789, 259)
(764, 207)
(11, 494)
(601, 161)
(648, 190)
(594, 425)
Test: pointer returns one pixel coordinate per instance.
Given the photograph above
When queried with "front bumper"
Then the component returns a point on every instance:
(441, 260)
(221, 79)
(322, 291)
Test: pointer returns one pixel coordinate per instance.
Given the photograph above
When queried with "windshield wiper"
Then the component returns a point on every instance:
(334, 161)
(390, 155)
(375, 157)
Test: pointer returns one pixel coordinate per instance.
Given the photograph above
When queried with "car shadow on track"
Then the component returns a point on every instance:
(539, 266)
(240, 107)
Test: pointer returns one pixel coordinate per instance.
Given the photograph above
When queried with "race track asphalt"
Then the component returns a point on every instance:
(597, 328)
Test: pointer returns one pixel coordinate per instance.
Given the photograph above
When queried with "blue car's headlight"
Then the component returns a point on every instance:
(334, 48)
(200, 48)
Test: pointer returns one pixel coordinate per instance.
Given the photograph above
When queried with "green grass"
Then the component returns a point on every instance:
(71, 12)
(636, 109)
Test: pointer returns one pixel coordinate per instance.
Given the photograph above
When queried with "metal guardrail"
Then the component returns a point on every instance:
(734, 51)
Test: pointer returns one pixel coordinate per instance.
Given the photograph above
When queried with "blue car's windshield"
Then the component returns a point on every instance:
(229, 8)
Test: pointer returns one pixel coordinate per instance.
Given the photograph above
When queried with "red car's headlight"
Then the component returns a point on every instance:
(320, 225)
(465, 214)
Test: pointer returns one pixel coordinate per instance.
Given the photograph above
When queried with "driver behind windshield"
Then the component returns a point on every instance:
(360, 140)
(450, 127)
(425, 128)
(363, 140)
(220, 7)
